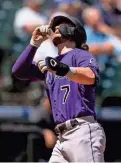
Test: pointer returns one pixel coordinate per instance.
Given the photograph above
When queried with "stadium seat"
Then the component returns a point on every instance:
(7, 12)
(110, 85)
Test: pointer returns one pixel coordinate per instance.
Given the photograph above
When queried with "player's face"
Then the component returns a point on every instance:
(56, 37)
(56, 32)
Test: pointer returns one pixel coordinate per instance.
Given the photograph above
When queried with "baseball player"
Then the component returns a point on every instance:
(71, 79)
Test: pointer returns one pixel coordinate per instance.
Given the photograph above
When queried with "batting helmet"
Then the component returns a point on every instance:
(76, 32)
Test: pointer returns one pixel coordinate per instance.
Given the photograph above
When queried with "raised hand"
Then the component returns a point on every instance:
(39, 35)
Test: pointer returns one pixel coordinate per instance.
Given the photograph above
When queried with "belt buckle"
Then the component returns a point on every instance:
(68, 125)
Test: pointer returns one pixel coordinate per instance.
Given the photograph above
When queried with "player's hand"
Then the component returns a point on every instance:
(53, 64)
(39, 35)
(42, 66)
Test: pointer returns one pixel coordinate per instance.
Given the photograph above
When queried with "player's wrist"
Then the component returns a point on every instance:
(35, 43)
(71, 72)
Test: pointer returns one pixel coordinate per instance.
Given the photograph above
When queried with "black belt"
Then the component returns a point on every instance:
(60, 128)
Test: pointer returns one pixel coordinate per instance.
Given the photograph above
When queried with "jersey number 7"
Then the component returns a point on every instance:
(65, 88)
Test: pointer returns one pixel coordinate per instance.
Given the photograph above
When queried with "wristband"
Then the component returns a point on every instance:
(33, 43)
(72, 70)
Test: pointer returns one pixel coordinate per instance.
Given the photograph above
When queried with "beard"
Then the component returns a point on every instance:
(57, 40)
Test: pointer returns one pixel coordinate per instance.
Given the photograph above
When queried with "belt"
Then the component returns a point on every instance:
(60, 128)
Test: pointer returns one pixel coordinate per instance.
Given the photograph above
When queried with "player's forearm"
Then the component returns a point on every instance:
(81, 75)
(97, 50)
(24, 62)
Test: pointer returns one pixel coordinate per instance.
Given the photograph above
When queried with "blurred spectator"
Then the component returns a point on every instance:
(111, 11)
(100, 36)
(43, 114)
(45, 120)
(71, 7)
(42, 117)
(104, 45)
(29, 17)
(26, 20)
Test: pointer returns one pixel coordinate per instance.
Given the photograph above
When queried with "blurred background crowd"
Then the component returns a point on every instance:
(26, 122)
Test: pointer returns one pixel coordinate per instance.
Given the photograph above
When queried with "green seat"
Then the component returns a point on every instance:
(7, 13)
(110, 82)
(114, 89)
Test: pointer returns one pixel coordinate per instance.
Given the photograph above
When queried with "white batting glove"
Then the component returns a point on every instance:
(39, 35)
(42, 66)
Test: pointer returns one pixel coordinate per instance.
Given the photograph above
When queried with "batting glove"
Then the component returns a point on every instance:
(39, 35)
(53, 64)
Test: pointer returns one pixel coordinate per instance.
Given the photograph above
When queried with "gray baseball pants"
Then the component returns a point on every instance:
(83, 143)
